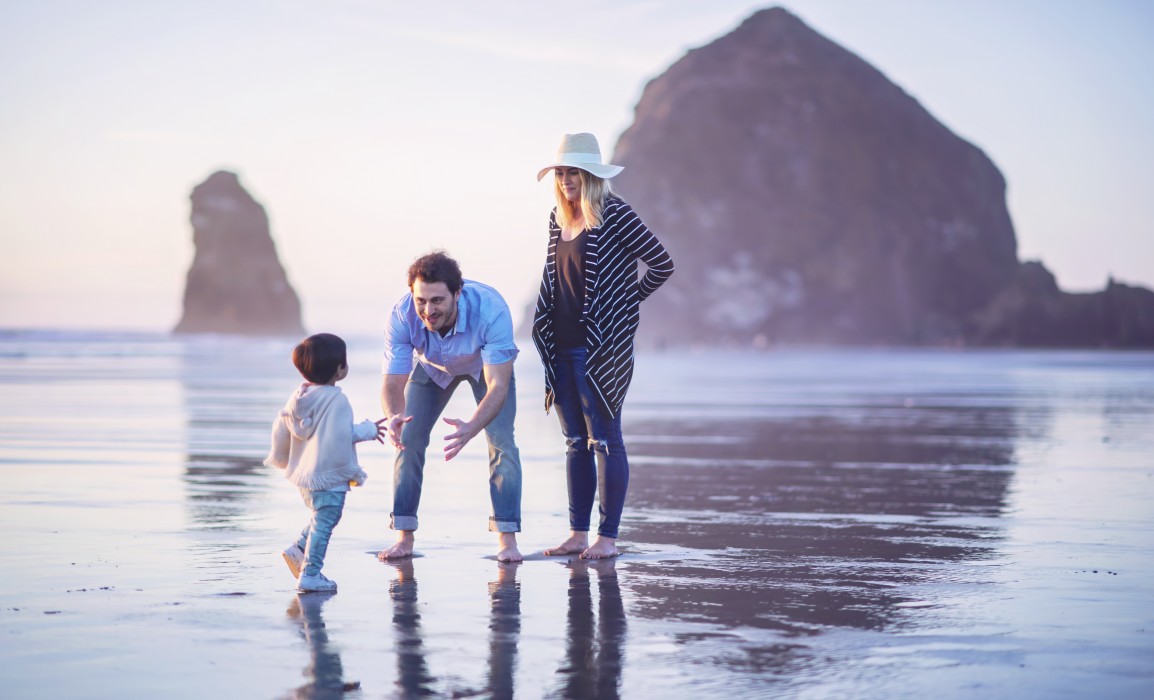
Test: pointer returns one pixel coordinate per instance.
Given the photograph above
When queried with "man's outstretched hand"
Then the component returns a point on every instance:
(393, 429)
(458, 438)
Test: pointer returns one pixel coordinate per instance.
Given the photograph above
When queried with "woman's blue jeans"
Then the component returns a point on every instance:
(327, 508)
(595, 462)
(425, 401)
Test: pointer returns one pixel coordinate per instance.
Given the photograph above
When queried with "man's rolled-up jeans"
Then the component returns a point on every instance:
(425, 401)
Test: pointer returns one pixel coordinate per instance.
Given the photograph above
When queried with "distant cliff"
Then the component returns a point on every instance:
(807, 198)
(236, 283)
(1033, 312)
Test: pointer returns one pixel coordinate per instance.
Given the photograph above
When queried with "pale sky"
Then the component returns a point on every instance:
(375, 131)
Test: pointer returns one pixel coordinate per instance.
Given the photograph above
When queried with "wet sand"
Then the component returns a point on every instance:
(800, 524)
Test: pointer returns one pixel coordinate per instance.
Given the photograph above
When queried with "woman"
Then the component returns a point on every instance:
(586, 318)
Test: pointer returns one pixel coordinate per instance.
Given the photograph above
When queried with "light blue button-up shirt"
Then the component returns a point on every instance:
(482, 335)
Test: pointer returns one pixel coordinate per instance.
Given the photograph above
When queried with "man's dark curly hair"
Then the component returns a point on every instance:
(436, 267)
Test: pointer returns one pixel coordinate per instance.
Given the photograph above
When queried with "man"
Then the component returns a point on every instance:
(459, 331)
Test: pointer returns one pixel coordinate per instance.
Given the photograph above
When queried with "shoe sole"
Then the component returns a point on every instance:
(292, 565)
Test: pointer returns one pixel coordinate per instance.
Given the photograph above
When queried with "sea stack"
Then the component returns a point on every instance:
(806, 198)
(236, 283)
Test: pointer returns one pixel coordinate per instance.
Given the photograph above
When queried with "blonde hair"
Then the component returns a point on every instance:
(594, 191)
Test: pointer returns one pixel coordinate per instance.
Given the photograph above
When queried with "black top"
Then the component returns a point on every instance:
(570, 292)
(613, 299)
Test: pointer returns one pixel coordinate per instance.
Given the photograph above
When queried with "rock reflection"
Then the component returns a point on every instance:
(231, 391)
(219, 488)
(911, 462)
(810, 523)
(324, 672)
(594, 647)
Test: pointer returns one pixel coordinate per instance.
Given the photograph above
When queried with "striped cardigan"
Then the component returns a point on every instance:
(613, 296)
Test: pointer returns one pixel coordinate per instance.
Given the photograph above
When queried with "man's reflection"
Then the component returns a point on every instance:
(593, 657)
(412, 672)
(504, 629)
(325, 674)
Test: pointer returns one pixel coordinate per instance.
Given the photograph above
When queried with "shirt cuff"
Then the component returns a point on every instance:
(499, 356)
(397, 366)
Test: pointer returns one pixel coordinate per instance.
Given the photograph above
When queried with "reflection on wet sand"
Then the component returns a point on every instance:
(229, 397)
(324, 672)
(800, 524)
(504, 630)
(413, 675)
(594, 653)
(219, 488)
(595, 635)
(815, 522)
(231, 393)
(226, 436)
(894, 462)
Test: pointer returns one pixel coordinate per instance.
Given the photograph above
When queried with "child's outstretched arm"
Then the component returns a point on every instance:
(368, 430)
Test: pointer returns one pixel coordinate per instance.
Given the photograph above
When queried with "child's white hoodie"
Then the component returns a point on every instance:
(313, 439)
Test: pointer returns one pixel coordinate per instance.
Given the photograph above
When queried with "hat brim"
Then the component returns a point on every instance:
(601, 170)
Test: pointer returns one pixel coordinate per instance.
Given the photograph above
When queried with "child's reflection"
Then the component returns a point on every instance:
(593, 657)
(325, 674)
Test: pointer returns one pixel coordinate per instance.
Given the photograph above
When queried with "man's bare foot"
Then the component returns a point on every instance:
(508, 550)
(403, 547)
(603, 548)
(578, 542)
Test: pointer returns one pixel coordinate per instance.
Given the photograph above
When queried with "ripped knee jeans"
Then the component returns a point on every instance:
(596, 465)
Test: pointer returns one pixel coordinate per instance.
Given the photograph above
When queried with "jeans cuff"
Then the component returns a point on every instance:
(504, 525)
(402, 522)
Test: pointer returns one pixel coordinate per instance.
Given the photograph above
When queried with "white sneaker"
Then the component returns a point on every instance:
(307, 584)
(294, 556)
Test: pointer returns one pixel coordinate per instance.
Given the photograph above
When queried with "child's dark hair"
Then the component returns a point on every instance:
(436, 267)
(318, 357)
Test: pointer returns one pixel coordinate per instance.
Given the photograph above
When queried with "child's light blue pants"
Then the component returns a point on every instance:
(327, 507)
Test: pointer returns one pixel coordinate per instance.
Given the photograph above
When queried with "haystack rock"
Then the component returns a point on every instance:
(236, 283)
(807, 198)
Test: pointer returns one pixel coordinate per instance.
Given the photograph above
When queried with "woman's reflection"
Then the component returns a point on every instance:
(593, 657)
(324, 671)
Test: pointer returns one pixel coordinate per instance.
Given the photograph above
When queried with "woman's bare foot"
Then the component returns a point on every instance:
(403, 547)
(508, 550)
(603, 548)
(578, 542)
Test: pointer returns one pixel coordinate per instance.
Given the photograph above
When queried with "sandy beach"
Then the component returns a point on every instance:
(800, 524)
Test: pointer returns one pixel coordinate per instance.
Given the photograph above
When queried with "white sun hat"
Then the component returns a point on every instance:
(581, 151)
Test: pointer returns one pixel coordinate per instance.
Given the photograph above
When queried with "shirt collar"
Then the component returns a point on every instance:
(461, 325)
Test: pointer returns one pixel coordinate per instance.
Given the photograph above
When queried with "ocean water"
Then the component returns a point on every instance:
(800, 524)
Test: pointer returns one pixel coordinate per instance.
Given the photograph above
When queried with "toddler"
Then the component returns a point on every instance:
(313, 441)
